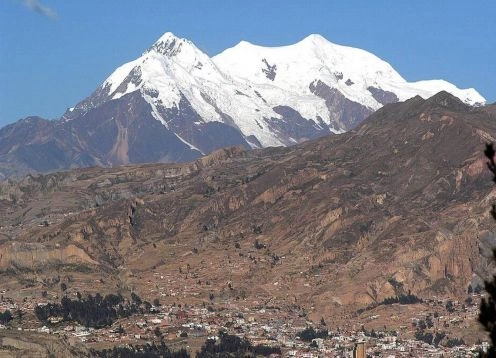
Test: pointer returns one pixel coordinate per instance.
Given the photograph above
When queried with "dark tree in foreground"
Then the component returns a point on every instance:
(91, 311)
(5, 317)
(140, 351)
(232, 346)
(308, 334)
(487, 315)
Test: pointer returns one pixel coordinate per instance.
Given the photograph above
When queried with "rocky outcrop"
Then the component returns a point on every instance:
(31, 256)
(346, 113)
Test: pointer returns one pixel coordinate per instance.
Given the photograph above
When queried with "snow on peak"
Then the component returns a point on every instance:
(169, 45)
(168, 36)
(350, 70)
(316, 39)
(294, 67)
(165, 67)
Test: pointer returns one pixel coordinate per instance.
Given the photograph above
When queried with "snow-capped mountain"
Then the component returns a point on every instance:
(175, 103)
(358, 75)
(272, 96)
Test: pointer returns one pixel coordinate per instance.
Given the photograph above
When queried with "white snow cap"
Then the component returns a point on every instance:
(315, 57)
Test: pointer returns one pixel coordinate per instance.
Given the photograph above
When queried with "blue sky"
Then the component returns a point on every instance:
(53, 53)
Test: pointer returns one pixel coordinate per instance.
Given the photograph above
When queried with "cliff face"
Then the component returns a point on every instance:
(34, 255)
(400, 204)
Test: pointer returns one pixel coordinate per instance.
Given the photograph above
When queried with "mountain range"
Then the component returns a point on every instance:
(174, 103)
(399, 204)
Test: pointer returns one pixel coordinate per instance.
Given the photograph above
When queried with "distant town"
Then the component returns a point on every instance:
(266, 329)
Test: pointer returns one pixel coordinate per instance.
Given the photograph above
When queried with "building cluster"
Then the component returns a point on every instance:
(189, 326)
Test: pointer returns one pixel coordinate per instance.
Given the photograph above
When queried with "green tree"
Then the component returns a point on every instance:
(5, 317)
(120, 329)
(157, 332)
(135, 298)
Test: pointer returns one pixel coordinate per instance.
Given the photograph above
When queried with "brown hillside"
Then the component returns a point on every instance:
(401, 203)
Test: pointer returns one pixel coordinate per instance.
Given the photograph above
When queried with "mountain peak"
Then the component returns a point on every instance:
(312, 39)
(446, 99)
(168, 44)
(315, 39)
(167, 37)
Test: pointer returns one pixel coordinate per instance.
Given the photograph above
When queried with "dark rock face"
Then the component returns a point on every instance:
(121, 131)
(36, 144)
(259, 96)
(216, 135)
(491, 109)
(134, 78)
(124, 131)
(43, 157)
(293, 126)
(254, 141)
(104, 132)
(381, 96)
(169, 48)
(26, 129)
(206, 136)
(345, 113)
(270, 70)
